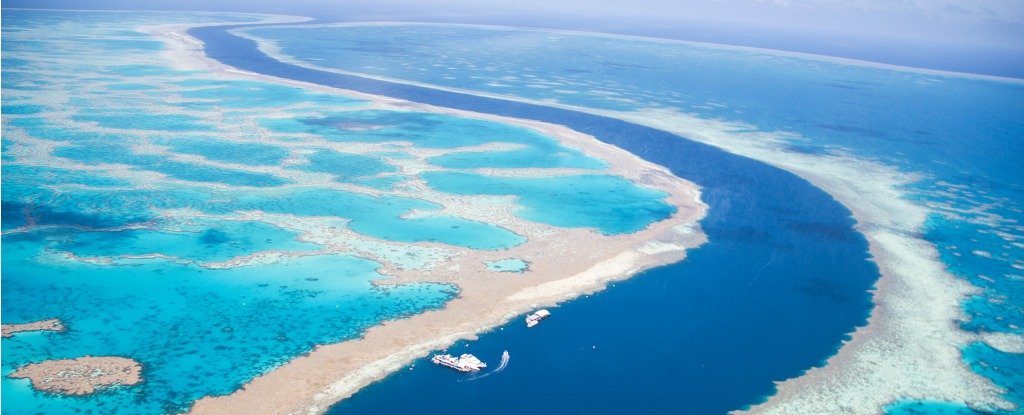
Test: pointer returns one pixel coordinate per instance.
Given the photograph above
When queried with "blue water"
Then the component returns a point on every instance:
(135, 196)
(897, 115)
(203, 241)
(93, 152)
(509, 265)
(143, 121)
(764, 300)
(534, 157)
(242, 94)
(346, 166)
(254, 154)
(956, 131)
(195, 330)
(611, 204)
(426, 130)
(376, 216)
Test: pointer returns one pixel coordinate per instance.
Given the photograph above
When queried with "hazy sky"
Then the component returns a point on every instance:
(984, 36)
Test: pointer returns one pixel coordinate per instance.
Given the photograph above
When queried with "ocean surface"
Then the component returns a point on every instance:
(961, 135)
(213, 228)
(764, 300)
(170, 214)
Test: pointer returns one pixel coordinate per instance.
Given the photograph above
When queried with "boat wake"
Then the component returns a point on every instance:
(501, 366)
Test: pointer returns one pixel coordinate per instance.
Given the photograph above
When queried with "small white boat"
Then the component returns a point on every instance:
(464, 363)
(536, 317)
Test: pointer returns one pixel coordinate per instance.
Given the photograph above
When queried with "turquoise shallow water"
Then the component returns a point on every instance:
(253, 154)
(609, 203)
(195, 331)
(524, 158)
(201, 241)
(962, 135)
(346, 167)
(509, 265)
(160, 212)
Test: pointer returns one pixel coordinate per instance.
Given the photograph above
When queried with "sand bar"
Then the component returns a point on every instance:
(52, 324)
(81, 376)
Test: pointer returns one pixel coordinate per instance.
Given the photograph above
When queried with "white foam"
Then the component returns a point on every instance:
(1004, 342)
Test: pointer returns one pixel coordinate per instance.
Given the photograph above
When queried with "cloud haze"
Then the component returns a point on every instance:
(979, 36)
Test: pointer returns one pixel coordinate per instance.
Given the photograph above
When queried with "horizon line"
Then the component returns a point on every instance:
(312, 21)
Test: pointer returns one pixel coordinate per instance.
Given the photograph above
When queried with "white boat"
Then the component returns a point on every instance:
(536, 317)
(470, 361)
(464, 363)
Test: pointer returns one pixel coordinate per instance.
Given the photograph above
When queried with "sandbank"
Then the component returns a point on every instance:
(81, 376)
(52, 324)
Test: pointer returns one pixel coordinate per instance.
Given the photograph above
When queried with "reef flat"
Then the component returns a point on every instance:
(275, 245)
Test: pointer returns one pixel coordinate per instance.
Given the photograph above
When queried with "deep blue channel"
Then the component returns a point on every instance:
(782, 282)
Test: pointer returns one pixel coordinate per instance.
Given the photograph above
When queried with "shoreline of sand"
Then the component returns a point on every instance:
(81, 376)
(53, 324)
